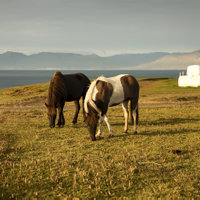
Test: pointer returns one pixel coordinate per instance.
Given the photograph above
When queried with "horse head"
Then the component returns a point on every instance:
(51, 112)
(92, 119)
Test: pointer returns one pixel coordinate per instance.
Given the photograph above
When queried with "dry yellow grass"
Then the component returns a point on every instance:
(162, 161)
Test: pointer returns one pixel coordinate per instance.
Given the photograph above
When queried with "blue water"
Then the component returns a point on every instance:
(13, 78)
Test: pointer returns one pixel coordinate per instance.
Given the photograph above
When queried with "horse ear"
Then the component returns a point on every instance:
(46, 105)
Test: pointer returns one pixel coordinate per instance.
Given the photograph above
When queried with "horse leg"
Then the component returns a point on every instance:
(109, 126)
(126, 115)
(104, 118)
(77, 107)
(99, 132)
(61, 119)
(134, 113)
(84, 117)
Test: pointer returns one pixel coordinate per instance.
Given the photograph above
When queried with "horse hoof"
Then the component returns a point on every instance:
(98, 137)
(125, 132)
(110, 136)
(135, 132)
(60, 125)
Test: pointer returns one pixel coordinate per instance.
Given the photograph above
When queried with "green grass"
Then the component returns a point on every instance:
(152, 90)
(148, 87)
(23, 93)
(166, 90)
(165, 86)
(37, 161)
(161, 161)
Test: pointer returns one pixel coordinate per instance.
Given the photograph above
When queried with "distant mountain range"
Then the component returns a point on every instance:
(71, 61)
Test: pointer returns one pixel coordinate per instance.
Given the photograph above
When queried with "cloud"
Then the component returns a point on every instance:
(100, 25)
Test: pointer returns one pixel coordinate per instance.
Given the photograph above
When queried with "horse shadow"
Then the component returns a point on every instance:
(173, 121)
(160, 122)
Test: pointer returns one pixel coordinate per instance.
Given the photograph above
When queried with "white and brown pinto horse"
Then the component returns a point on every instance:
(107, 92)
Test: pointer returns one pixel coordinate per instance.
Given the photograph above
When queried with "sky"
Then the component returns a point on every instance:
(102, 27)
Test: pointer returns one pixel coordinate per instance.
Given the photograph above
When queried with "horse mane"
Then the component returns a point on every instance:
(88, 96)
(90, 91)
(102, 78)
(56, 88)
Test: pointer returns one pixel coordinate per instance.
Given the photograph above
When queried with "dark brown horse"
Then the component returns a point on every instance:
(69, 87)
(107, 92)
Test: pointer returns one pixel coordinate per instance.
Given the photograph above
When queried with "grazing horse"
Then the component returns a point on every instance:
(69, 87)
(107, 92)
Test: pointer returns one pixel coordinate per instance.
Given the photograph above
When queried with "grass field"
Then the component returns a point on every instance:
(161, 161)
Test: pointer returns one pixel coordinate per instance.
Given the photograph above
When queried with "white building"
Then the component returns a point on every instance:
(192, 77)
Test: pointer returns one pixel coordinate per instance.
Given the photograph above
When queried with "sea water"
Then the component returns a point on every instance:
(13, 78)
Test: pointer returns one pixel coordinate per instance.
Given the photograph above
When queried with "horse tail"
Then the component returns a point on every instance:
(137, 114)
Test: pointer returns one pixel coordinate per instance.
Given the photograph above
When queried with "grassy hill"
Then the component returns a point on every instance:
(152, 91)
(162, 161)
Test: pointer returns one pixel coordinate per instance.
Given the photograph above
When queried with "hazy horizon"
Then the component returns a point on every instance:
(96, 54)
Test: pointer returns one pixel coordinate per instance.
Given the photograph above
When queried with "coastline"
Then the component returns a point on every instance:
(14, 78)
